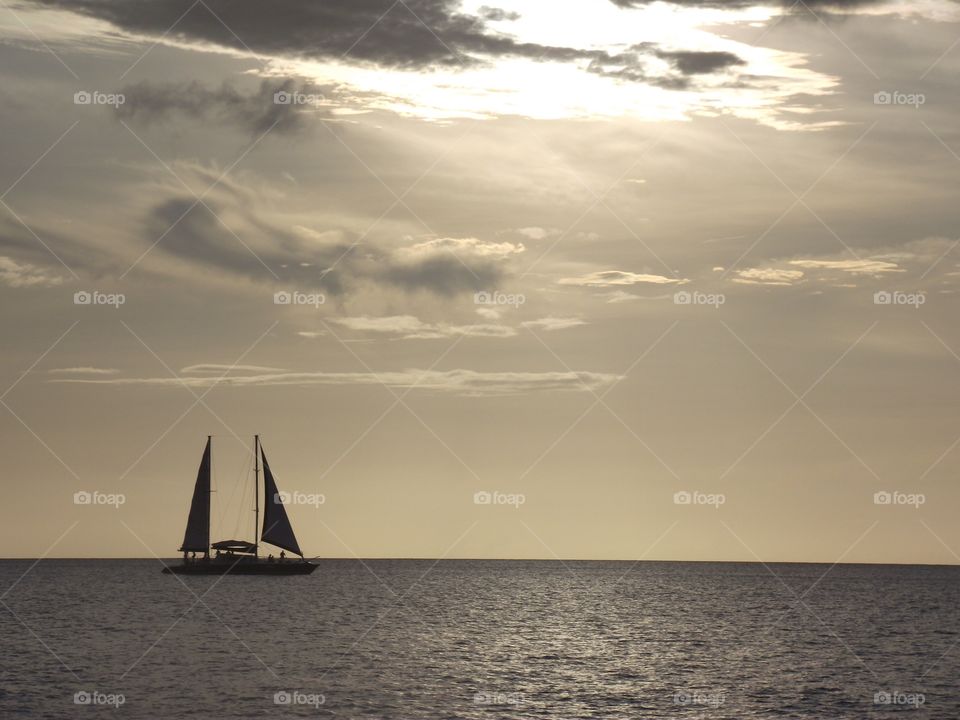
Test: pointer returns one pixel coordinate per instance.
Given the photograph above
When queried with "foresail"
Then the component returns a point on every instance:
(197, 536)
(276, 525)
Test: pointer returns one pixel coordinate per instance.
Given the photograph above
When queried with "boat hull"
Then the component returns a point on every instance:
(259, 567)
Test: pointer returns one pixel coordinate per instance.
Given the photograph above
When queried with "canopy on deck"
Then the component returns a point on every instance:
(237, 546)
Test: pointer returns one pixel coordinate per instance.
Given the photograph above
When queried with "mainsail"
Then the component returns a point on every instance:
(197, 536)
(276, 525)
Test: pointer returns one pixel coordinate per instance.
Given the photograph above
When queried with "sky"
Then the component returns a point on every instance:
(584, 280)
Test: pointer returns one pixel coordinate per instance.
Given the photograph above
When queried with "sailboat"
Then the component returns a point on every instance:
(240, 557)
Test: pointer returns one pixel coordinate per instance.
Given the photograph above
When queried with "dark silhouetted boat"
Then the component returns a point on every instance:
(239, 557)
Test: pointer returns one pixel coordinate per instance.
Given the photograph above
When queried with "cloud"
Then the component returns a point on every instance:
(553, 323)
(215, 368)
(371, 31)
(470, 246)
(611, 278)
(497, 14)
(768, 276)
(638, 64)
(148, 102)
(44, 255)
(917, 257)
(415, 34)
(23, 274)
(437, 59)
(535, 233)
(619, 296)
(85, 371)
(237, 234)
(233, 233)
(855, 267)
(448, 266)
(460, 382)
(410, 327)
(690, 62)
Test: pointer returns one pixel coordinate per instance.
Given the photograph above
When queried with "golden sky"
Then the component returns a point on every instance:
(661, 280)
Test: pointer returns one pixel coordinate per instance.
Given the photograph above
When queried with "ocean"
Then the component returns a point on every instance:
(481, 639)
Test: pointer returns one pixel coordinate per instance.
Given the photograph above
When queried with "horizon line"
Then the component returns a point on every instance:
(177, 558)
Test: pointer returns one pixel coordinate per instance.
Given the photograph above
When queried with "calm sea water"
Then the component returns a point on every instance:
(481, 639)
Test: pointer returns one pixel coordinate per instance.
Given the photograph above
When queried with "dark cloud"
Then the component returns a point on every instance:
(443, 274)
(697, 63)
(632, 65)
(56, 252)
(415, 34)
(411, 34)
(282, 105)
(497, 14)
(200, 237)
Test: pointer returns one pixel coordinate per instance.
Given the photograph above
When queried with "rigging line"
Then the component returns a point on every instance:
(239, 515)
(233, 495)
(221, 502)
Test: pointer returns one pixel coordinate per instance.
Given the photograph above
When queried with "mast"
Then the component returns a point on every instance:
(206, 552)
(256, 495)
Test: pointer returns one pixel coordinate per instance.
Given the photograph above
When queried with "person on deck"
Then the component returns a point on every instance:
(283, 554)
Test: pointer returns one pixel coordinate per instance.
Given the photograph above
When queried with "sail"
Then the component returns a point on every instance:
(197, 536)
(276, 525)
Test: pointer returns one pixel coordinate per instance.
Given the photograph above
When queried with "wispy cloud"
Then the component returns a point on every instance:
(469, 246)
(148, 102)
(830, 269)
(217, 368)
(24, 274)
(553, 323)
(768, 276)
(411, 327)
(619, 296)
(462, 382)
(855, 267)
(85, 371)
(613, 278)
(536, 233)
